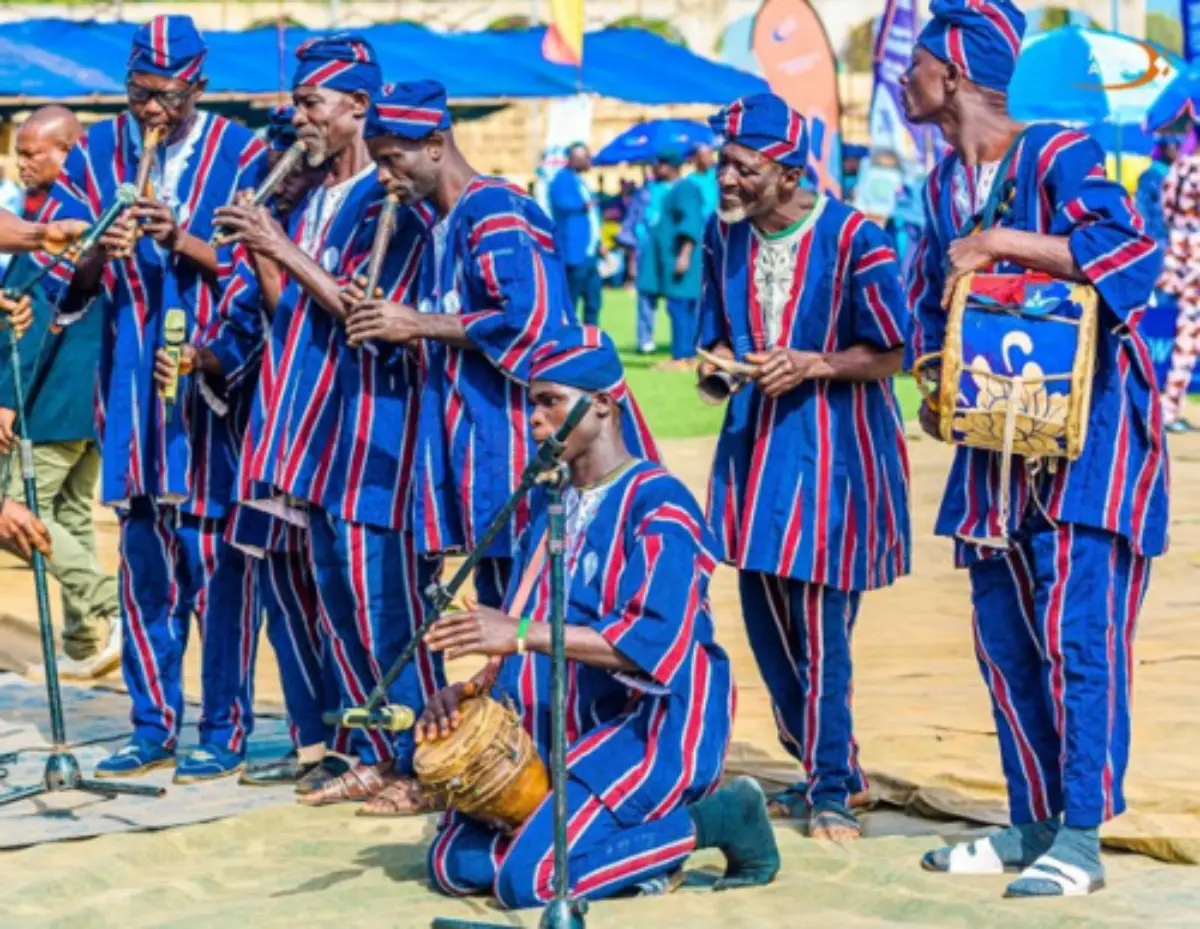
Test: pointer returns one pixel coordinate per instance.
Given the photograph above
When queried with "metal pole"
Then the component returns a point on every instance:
(1116, 27)
(62, 769)
(562, 912)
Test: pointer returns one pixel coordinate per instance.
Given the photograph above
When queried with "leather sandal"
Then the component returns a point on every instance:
(401, 797)
(359, 783)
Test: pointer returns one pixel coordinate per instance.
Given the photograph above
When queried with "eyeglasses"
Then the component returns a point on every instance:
(167, 99)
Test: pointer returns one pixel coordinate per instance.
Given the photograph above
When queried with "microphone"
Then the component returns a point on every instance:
(393, 717)
(174, 335)
(126, 196)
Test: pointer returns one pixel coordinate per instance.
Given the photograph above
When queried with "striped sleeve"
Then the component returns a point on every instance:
(713, 329)
(71, 197)
(926, 280)
(659, 593)
(235, 334)
(509, 271)
(881, 316)
(1107, 236)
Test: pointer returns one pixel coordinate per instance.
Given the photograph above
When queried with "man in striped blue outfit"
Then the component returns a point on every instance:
(236, 372)
(651, 698)
(809, 489)
(1057, 602)
(492, 285)
(341, 434)
(168, 470)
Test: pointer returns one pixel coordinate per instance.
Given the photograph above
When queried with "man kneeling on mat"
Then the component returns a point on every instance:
(650, 696)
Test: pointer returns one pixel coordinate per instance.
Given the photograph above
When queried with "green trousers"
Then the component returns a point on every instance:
(66, 475)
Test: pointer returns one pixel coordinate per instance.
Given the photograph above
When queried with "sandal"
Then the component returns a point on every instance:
(359, 783)
(834, 823)
(401, 797)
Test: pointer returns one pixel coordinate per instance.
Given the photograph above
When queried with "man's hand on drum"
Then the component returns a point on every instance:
(440, 716)
(967, 255)
(479, 630)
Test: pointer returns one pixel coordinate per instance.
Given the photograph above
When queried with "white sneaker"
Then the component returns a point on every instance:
(105, 661)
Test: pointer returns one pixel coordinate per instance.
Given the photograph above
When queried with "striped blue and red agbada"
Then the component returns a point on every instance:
(812, 485)
(501, 276)
(190, 460)
(1120, 481)
(642, 745)
(303, 413)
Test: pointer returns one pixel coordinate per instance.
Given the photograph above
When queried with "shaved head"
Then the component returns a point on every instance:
(42, 145)
(56, 122)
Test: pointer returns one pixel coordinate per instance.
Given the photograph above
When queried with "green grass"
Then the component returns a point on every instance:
(668, 398)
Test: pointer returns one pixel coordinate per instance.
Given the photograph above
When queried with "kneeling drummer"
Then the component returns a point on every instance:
(650, 699)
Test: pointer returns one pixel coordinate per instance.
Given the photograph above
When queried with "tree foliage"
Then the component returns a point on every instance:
(1165, 30)
(289, 22)
(660, 27)
(858, 55)
(510, 23)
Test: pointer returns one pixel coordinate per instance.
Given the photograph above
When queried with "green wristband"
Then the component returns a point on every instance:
(522, 628)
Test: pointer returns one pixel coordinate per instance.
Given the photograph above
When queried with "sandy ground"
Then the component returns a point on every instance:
(921, 713)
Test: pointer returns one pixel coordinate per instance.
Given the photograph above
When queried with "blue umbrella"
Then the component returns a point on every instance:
(1080, 75)
(1178, 106)
(1129, 140)
(646, 142)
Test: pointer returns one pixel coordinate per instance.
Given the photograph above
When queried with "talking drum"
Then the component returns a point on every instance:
(1015, 371)
(488, 768)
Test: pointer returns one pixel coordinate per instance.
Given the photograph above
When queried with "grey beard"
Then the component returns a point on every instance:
(735, 215)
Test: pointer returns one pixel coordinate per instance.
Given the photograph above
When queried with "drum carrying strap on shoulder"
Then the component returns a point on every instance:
(1000, 194)
(998, 201)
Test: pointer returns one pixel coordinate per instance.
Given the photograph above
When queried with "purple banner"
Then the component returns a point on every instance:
(917, 146)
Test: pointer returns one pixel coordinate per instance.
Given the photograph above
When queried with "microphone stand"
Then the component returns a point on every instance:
(62, 770)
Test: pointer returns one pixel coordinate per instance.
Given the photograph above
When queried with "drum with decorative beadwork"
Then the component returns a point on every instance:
(1015, 371)
(488, 768)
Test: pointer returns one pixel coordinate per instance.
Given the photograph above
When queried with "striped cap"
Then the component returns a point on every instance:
(169, 46)
(765, 123)
(981, 37)
(411, 110)
(340, 62)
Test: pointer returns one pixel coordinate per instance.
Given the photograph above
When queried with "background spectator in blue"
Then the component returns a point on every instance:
(576, 213)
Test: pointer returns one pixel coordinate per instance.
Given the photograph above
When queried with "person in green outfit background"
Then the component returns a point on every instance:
(670, 269)
(58, 372)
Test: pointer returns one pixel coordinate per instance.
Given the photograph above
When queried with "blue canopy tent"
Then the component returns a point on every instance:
(632, 65)
(628, 64)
